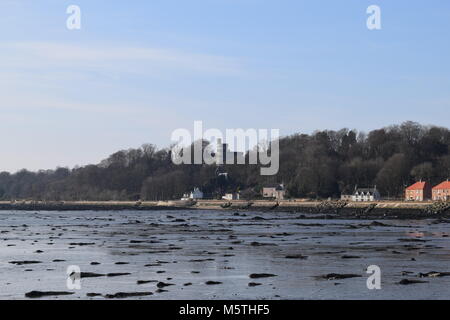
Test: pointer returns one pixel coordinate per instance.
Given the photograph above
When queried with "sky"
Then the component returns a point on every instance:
(138, 70)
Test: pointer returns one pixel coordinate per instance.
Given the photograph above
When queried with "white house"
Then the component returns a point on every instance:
(194, 195)
(366, 195)
(231, 196)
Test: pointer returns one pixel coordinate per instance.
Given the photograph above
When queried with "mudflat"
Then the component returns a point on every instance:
(220, 254)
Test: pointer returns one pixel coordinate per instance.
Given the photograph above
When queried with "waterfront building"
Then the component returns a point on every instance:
(366, 195)
(441, 192)
(419, 191)
(274, 191)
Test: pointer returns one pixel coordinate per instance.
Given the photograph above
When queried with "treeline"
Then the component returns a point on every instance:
(323, 164)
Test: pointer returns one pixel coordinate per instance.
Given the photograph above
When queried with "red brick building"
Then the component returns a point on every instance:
(442, 191)
(419, 191)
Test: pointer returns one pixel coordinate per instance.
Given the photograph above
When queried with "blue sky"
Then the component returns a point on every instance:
(137, 70)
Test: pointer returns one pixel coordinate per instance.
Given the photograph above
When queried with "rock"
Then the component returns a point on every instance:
(379, 224)
(434, 274)
(91, 275)
(254, 284)
(145, 281)
(118, 274)
(81, 244)
(337, 276)
(258, 244)
(161, 291)
(201, 260)
(412, 240)
(40, 294)
(258, 218)
(261, 275)
(408, 282)
(93, 295)
(163, 285)
(123, 295)
(297, 256)
(20, 263)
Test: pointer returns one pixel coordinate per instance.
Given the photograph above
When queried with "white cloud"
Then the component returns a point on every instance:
(38, 55)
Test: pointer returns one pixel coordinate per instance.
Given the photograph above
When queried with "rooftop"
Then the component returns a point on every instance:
(443, 185)
(420, 185)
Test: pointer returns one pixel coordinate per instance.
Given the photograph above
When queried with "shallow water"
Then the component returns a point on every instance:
(199, 246)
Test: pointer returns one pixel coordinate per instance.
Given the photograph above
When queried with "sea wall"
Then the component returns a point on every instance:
(342, 209)
(332, 209)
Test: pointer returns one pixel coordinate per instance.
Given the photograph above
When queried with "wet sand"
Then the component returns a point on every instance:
(192, 254)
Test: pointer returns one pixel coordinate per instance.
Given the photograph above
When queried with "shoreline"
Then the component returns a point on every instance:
(328, 209)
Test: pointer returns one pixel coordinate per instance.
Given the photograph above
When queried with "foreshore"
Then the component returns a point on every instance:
(331, 209)
(220, 254)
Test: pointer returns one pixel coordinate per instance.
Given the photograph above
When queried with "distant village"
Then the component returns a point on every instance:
(418, 192)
